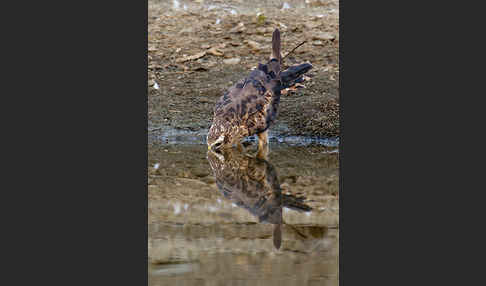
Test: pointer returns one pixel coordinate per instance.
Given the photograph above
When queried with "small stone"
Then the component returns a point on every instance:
(232, 61)
(215, 52)
(253, 45)
(238, 28)
(323, 36)
(261, 30)
(186, 31)
(190, 58)
(311, 25)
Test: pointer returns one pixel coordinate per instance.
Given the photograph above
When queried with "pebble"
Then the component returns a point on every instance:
(232, 61)
(323, 36)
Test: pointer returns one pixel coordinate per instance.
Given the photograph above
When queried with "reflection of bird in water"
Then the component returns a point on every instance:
(250, 106)
(252, 183)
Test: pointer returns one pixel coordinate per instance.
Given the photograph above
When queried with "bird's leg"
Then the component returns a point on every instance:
(262, 145)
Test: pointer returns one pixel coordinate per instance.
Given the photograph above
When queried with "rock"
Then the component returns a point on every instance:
(238, 28)
(215, 52)
(323, 36)
(232, 61)
(210, 64)
(205, 46)
(189, 58)
(311, 25)
(253, 45)
(186, 31)
(261, 30)
(318, 43)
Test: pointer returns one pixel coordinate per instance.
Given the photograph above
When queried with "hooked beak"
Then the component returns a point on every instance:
(217, 144)
(216, 147)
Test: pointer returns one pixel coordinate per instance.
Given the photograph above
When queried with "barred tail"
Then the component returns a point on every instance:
(276, 46)
(294, 74)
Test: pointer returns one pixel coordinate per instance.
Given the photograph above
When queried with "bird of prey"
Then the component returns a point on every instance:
(252, 183)
(250, 106)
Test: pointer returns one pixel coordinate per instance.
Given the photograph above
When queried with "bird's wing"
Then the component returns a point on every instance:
(250, 100)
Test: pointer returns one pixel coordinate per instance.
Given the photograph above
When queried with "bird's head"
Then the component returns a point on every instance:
(216, 136)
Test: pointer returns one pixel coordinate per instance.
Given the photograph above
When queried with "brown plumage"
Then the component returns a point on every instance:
(250, 106)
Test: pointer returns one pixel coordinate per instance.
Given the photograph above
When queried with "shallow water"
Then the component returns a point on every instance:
(172, 136)
(225, 219)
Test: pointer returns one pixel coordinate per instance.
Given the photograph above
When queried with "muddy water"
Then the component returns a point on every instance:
(225, 219)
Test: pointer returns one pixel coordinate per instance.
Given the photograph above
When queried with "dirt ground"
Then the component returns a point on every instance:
(193, 47)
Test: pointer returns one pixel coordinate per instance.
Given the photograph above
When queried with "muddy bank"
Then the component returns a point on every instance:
(192, 45)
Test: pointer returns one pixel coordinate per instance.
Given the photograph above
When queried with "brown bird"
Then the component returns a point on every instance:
(250, 106)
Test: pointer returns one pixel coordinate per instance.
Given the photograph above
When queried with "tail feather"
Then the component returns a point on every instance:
(294, 74)
(276, 46)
